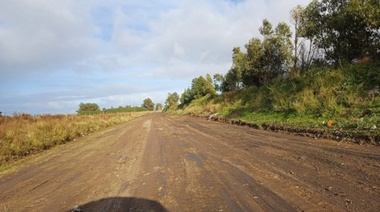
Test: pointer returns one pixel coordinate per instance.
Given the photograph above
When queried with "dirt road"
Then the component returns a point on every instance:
(165, 163)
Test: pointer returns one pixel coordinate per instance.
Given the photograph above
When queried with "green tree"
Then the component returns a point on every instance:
(88, 108)
(148, 104)
(233, 79)
(210, 89)
(201, 86)
(296, 14)
(304, 48)
(159, 106)
(277, 49)
(218, 82)
(251, 75)
(344, 29)
(186, 97)
(269, 58)
(172, 100)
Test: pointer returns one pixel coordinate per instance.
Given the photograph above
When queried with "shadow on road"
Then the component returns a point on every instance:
(116, 204)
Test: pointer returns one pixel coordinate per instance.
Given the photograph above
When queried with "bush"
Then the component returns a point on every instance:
(318, 95)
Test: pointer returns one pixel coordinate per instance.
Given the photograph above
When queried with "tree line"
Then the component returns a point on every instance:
(327, 33)
(93, 108)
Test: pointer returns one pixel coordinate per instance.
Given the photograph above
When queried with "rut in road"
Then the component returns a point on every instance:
(167, 163)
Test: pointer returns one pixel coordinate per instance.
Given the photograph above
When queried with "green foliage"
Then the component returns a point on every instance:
(88, 108)
(262, 87)
(252, 74)
(121, 109)
(148, 104)
(200, 87)
(277, 48)
(93, 109)
(303, 100)
(345, 29)
(203, 105)
(299, 56)
(159, 106)
(263, 61)
(186, 97)
(218, 82)
(233, 79)
(172, 100)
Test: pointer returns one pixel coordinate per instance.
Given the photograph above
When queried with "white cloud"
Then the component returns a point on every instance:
(116, 45)
(42, 36)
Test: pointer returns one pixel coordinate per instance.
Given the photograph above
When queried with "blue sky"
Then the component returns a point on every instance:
(58, 54)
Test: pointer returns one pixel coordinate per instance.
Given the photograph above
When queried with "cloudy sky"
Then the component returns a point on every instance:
(55, 54)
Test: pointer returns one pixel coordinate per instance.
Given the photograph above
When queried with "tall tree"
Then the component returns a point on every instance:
(172, 100)
(251, 75)
(148, 104)
(304, 48)
(159, 106)
(232, 80)
(218, 82)
(295, 15)
(278, 51)
(345, 29)
(269, 58)
(186, 97)
(201, 86)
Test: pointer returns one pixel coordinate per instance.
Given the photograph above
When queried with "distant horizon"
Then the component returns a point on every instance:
(68, 113)
(59, 54)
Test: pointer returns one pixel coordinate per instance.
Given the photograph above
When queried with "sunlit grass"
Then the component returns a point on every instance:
(304, 101)
(24, 134)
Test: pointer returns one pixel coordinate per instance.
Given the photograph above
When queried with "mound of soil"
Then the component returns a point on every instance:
(357, 137)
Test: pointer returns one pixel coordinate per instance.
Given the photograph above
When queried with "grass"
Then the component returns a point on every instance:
(304, 101)
(24, 134)
(120, 109)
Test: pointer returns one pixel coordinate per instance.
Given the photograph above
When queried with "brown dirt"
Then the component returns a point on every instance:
(358, 137)
(167, 163)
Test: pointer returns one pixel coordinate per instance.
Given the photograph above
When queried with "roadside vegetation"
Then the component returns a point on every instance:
(25, 134)
(93, 108)
(326, 76)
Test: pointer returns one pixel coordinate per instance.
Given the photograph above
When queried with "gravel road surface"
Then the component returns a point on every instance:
(169, 163)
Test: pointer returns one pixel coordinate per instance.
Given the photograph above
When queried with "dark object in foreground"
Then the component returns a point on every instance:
(116, 204)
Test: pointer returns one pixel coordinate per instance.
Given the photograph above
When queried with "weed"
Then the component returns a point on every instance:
(24, 134)
(304, 101)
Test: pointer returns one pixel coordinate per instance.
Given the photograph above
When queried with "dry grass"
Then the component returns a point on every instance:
(24, 134)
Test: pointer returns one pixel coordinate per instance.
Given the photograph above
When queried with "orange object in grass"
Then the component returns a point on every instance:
(329, 123)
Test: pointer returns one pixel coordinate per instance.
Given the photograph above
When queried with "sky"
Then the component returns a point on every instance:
(55, 54)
